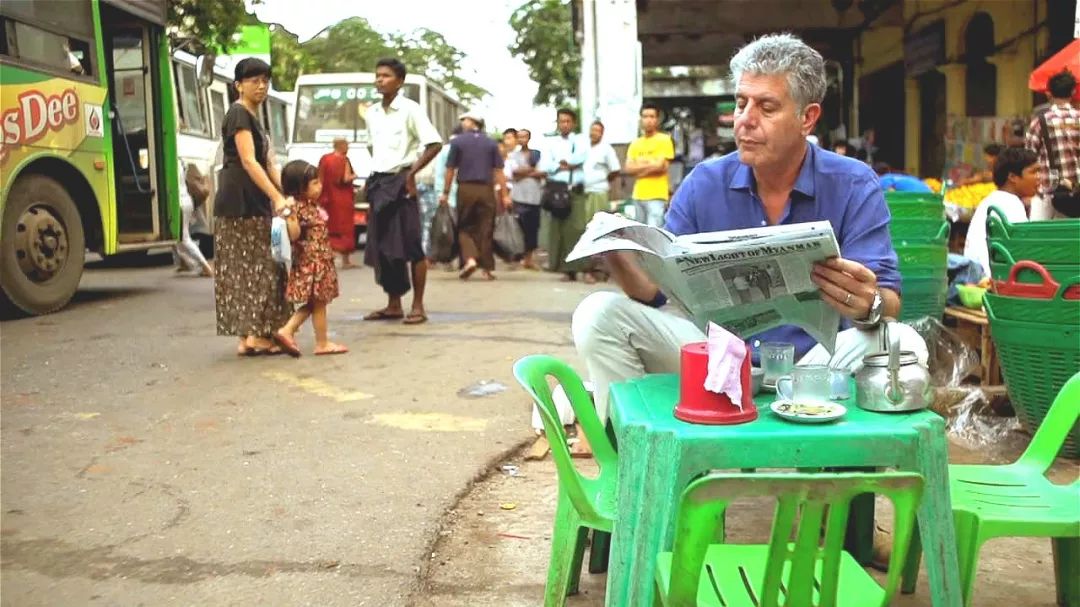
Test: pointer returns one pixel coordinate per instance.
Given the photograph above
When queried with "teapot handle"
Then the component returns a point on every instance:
(894, 393)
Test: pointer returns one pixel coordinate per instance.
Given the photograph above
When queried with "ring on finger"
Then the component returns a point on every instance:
(847, 300)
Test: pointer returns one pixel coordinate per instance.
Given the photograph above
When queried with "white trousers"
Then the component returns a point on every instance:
(186, 253)
(620, 339)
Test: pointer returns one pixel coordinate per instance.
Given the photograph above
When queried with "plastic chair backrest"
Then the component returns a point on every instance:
(804, 503)
(532, 373)
(1057, 424)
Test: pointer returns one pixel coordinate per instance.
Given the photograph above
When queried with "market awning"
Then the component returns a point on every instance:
(1068, 58)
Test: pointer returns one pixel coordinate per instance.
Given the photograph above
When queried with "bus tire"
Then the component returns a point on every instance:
(42, 245)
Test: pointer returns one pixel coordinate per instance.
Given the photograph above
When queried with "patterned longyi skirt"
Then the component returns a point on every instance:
(249, 286)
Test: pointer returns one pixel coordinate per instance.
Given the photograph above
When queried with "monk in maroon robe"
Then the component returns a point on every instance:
(336, 174)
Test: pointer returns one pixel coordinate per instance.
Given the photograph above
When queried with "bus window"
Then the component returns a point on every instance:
(327, 111)
(279, 126)
(217, 110)
(36, 45)
(192, 112)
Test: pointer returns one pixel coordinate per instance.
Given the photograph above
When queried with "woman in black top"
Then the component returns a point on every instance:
(249, 286)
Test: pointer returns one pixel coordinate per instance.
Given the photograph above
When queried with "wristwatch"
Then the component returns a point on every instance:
(873, 319)
(286, 212)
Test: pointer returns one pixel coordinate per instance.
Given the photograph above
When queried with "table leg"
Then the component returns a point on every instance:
(935, 517)
(648, 500)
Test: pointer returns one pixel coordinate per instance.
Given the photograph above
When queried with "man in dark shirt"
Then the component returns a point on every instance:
(476, 162)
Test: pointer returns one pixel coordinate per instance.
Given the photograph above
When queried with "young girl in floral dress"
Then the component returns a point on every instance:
(312, 279)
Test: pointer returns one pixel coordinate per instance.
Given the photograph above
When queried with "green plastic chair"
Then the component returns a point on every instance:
(812, 571)
(584, 503)
(1017, 500)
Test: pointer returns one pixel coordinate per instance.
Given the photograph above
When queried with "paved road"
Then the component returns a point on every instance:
(145, 464)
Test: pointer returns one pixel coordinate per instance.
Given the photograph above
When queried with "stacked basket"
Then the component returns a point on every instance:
(920, 236)
(1034, 312)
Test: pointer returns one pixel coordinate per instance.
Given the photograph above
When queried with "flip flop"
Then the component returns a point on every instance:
(414, 319)
(287, 343)
(337, 349)
(468, 270)
(383, 315)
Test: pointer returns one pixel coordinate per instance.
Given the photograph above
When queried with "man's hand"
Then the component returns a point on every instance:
(444, 200)
(507, 203)
(564, 165)
(410, 184)
(847, 286)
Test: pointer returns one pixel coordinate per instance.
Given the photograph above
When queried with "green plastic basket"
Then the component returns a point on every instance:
(932, 255)
(998, 226)
(917, 229)
(1002, 260)
(908, 197)
(923, 296)
(1043, 302)
(1036, 360)
(916, 209)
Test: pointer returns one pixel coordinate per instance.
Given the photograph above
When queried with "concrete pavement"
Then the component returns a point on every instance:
(143, 462)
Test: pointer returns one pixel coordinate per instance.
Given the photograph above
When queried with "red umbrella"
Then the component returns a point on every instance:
(1068, 58)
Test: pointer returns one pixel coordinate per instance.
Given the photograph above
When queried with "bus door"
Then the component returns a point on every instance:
(130, 60)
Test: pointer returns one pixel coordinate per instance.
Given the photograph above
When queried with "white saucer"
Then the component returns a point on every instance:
(820, 412)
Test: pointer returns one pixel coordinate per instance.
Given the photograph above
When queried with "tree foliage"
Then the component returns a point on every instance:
(210, 24)
(352, 45)
(545, 42)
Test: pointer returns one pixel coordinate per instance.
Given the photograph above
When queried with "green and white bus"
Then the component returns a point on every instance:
(88, 141)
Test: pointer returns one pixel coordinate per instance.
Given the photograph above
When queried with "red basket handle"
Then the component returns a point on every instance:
(1046, 290)
(1070, 289)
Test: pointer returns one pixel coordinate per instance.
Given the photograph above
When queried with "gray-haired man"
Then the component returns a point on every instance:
(774, 178)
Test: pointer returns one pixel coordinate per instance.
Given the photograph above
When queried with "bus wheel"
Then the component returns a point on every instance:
(42, 247)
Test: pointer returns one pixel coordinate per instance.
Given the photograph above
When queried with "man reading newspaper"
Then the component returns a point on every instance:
(775, 178)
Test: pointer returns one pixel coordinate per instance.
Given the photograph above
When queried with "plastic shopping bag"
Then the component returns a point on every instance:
(442, 235)
(509, 237)
(280, 247)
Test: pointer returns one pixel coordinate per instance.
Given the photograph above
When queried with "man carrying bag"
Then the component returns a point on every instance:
(1055, 136)
(564, 193)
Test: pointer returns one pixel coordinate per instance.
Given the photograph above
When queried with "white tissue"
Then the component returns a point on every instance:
(726, 355)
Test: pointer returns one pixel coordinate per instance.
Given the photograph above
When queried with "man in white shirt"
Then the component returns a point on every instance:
(1016, 174)
(403, 142)
(562, 161)
(600, 168)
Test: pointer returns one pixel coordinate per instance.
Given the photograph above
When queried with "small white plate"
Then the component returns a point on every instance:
(808, 413)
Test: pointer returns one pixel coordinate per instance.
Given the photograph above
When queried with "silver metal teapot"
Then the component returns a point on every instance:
(892, 380)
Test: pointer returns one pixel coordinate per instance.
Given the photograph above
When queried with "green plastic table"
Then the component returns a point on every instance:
(659, 456)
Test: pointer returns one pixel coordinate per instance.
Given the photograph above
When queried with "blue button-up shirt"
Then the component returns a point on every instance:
(721, 194)
(572, 149)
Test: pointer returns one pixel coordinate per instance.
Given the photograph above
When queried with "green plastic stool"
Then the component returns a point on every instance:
(1017, 500)
(584, 503)
(812, 571)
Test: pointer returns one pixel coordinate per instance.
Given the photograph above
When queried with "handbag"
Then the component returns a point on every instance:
(1064, 197)
(509, 237)
(556, 198)
(442, 235)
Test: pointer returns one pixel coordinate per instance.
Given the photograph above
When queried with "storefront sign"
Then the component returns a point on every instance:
(925, 49)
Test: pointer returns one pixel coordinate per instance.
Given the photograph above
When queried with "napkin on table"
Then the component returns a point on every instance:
(726, 354)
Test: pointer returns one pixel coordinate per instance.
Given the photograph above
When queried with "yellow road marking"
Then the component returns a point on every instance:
(429, 422)
(317, 387)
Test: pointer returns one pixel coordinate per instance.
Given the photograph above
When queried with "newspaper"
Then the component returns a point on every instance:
(747, 281)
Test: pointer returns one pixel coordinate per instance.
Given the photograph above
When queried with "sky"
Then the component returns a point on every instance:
(482, 33)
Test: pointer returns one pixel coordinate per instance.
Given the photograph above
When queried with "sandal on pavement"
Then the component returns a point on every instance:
(332, 349)
(287, 343)
(383, 315)
(468, 270)
(415, 319)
